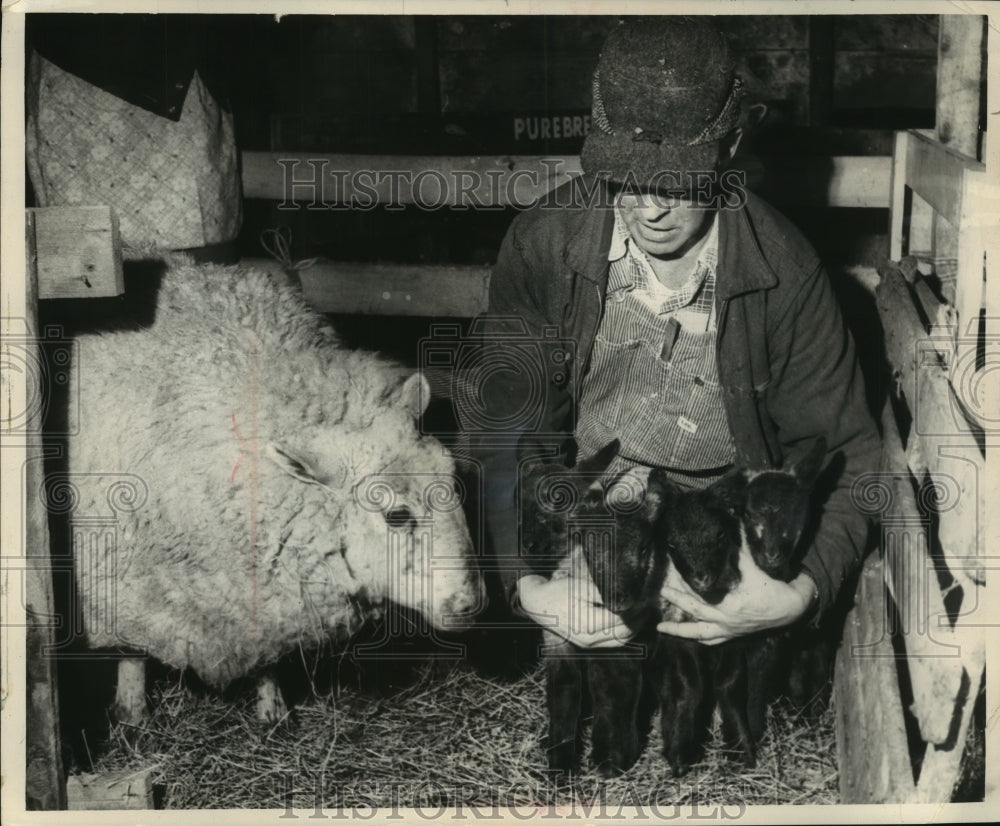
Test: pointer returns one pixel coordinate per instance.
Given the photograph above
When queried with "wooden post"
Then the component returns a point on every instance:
(45, 785)
(959, 88)
(959, 81)
(871, 738)
(820, 69)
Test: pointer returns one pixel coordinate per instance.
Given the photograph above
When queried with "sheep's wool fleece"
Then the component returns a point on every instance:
(223, 561)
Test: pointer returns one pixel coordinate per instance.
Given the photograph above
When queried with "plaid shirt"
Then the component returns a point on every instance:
(693, 304)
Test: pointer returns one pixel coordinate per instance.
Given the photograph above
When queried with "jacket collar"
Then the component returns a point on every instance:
(588, 244)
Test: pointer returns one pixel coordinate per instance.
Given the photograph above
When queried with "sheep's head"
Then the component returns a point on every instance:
(401, 529)
(700, 530)
(777, 509)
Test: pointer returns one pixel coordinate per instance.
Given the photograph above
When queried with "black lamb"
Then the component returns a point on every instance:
(775, 516)
(609, 681)
(768, 510)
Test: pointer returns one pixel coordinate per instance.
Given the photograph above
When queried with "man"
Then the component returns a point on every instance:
(706, 332)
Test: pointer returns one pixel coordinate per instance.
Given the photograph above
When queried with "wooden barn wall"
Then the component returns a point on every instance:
(352, 83)
(485, 85)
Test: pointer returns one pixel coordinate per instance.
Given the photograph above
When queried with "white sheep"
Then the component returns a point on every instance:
(276, 488)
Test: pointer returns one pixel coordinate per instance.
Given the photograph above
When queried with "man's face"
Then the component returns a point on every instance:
(663, 226)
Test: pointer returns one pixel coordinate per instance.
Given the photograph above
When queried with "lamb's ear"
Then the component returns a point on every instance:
(659, 494)
(807, 468)
(294, 466)
(731, 490)
(414, 395)
(600, 461)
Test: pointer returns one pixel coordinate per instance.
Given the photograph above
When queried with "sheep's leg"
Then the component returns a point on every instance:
(271, 706)
(731, 688)
(130, 692)
(616, 686)
(685, 708)
(563, 695)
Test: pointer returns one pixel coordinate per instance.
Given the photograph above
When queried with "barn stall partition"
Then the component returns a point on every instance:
(912, 649)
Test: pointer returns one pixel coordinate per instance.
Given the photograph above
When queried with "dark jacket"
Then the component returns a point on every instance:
(786, 359)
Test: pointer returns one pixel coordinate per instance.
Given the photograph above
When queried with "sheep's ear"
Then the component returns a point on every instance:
(414, 395)
(294, 466)
(807, 468)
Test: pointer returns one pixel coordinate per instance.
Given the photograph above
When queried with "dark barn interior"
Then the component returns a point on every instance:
(838, 89)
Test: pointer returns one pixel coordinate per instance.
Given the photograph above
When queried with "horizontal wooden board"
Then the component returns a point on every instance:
(392, 289)
(907, 33)
(500, 180)
(533, 81)
(877, 80)
(844, 181)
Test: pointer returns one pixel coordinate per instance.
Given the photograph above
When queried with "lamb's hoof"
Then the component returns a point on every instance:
(678, 767)
(563, 760)
(745, 754)
(611, 769)
(614, 762)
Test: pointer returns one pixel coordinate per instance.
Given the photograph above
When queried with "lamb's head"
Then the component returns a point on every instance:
(700, 530)
(401, 529)
(550, 494)
(776, 511)
(630, 571)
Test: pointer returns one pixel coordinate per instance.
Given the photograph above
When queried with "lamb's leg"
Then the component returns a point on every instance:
(271, 706)
(616, 687)
(684, 704)
(130, 692)
(563, 695)
(762, 656)
(731, 688)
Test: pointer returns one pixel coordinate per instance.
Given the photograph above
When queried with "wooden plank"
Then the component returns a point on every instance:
(932, 654)
(78, 252)
(840, 181)
(478, 182)
(821, 39)
(897, 202)
(392, 289)
(979, 208)
(959, 78)
(111, 790)
(940, 766)
(903, 328)
(942, 442)
(316, 180)
(947, 449)
(44, 783)
(936, 174)
(871, 739)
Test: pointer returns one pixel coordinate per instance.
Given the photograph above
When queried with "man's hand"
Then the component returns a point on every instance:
(571, 607)
(756, 604)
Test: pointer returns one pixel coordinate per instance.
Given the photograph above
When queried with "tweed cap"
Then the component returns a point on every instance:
(664, 94)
